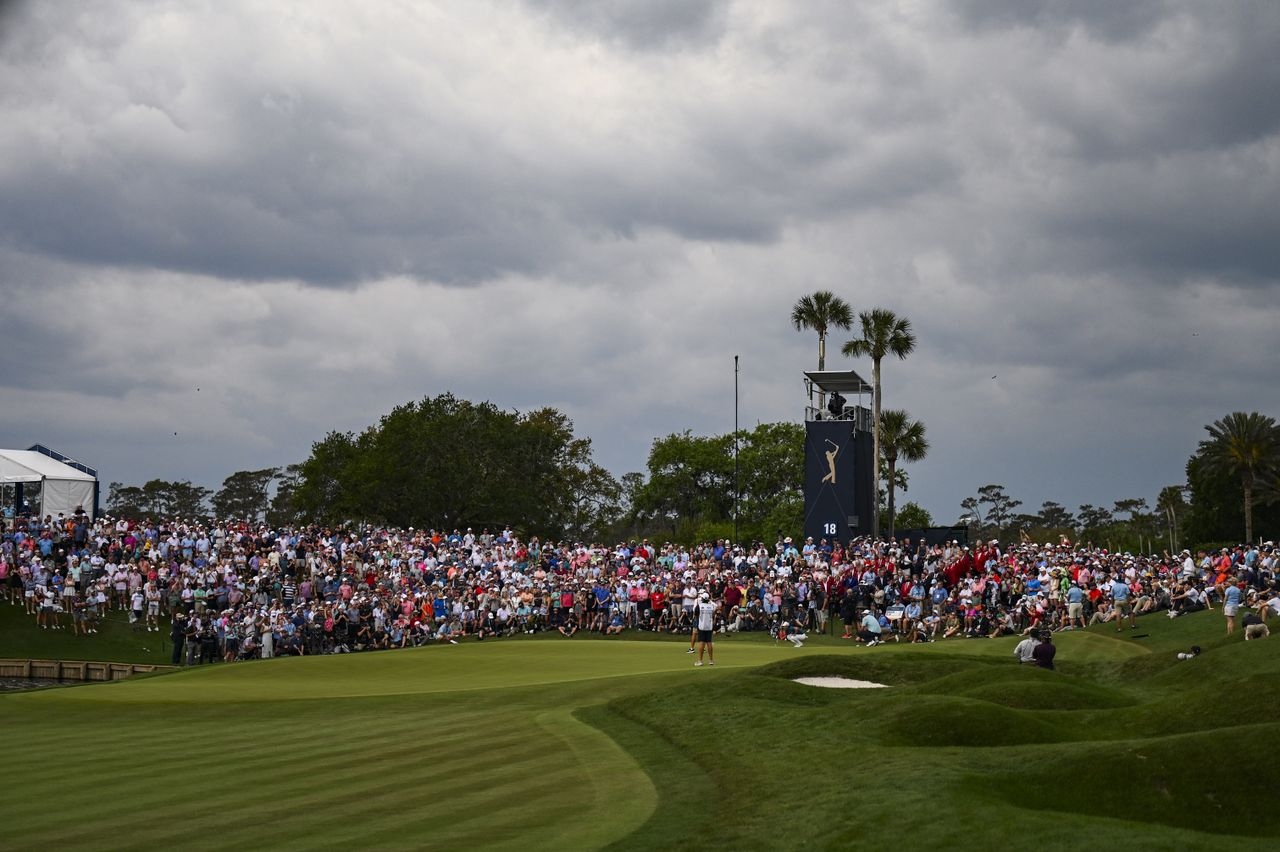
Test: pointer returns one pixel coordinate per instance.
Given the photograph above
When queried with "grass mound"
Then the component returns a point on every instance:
(1032, 689)
(1203, 781)
(933, 720)
(587, 744)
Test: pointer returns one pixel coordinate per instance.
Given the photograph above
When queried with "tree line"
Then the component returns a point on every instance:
(446, 463)
(1232, 488)
(250, 495)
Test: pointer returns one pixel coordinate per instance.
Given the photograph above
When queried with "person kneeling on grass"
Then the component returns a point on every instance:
(794, 634)
(869, 629)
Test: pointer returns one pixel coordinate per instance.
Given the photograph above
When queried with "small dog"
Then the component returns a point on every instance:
(1256, 631)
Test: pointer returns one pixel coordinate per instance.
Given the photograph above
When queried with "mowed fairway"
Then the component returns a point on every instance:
(590, 743)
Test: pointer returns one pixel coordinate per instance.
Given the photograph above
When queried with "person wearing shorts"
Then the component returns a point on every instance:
(1120, 596)
(152, 595)
(1231, 597)
(704, 624)
(1075, 607)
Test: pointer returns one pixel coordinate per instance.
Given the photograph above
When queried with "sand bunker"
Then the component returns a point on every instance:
(838, 683)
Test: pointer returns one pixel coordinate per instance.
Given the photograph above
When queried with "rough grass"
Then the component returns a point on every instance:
(590, 743)
(116, 640)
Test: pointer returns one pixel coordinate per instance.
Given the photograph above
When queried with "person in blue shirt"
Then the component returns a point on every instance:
(1231, 598)
(1120, 596)
(1075, 607)
(938, 597)
(869, 630)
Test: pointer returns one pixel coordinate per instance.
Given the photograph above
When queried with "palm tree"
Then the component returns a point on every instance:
(883, 333)
(1170, 504)
(901, 439)
(1245, 445)
(820, 312)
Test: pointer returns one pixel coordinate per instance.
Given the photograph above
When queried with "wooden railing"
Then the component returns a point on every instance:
(75, 669)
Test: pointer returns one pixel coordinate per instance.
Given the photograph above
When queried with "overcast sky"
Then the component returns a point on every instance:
(251, 223)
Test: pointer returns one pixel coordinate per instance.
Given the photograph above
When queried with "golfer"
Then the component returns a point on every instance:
(704, 614)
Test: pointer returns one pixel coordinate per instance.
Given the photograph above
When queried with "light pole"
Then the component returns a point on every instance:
(735, 449)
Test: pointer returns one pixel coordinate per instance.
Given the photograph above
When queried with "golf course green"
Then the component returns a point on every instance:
(587, 743)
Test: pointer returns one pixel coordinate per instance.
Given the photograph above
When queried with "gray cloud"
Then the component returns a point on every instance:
(316, 215)
(1099, 18)
(640, 24)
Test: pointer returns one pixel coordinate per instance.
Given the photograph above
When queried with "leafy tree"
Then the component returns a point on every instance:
(243, 495)
(179, 498)
(283, 510)
(913, 517)
(1093, 518)
(999, 505)
(1134, 507)
(125, 501)
(884, 333)
(689, 492)
(326, 491)
(189, 501)
(445, 462)
(1244, 446)
(901, 439)
(771, 458)
(973, 516)
(821, 312)
(1055, 516)
(690, 480)
(631, 519)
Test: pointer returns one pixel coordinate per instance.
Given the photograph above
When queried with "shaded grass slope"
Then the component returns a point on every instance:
(589, 744)
(972, 749)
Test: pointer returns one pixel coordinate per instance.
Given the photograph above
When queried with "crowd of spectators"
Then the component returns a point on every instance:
(231, 590)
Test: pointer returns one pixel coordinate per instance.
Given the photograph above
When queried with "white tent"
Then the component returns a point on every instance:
(63, 488)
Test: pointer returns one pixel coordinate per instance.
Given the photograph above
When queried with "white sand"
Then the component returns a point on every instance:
(838, 683)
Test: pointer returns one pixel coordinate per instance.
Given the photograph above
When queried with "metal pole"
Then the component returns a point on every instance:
(735, 449)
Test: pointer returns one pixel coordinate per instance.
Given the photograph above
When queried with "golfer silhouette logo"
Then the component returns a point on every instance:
(831, 462)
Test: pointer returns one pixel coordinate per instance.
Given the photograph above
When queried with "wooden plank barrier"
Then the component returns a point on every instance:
(76, 670)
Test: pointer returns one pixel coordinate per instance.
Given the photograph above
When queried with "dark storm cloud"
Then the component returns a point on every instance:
(1206, 84)
(1104, 19)
(640, 24)
(281, 204)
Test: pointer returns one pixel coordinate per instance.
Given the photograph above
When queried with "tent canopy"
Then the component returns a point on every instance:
(30, 466)
(62, 487)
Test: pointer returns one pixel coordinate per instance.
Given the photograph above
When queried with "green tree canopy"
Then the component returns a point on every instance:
(912, 516)
(1246, 447)
(445, 462)
(689, 493)
(243, 495)
(1236, 452)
